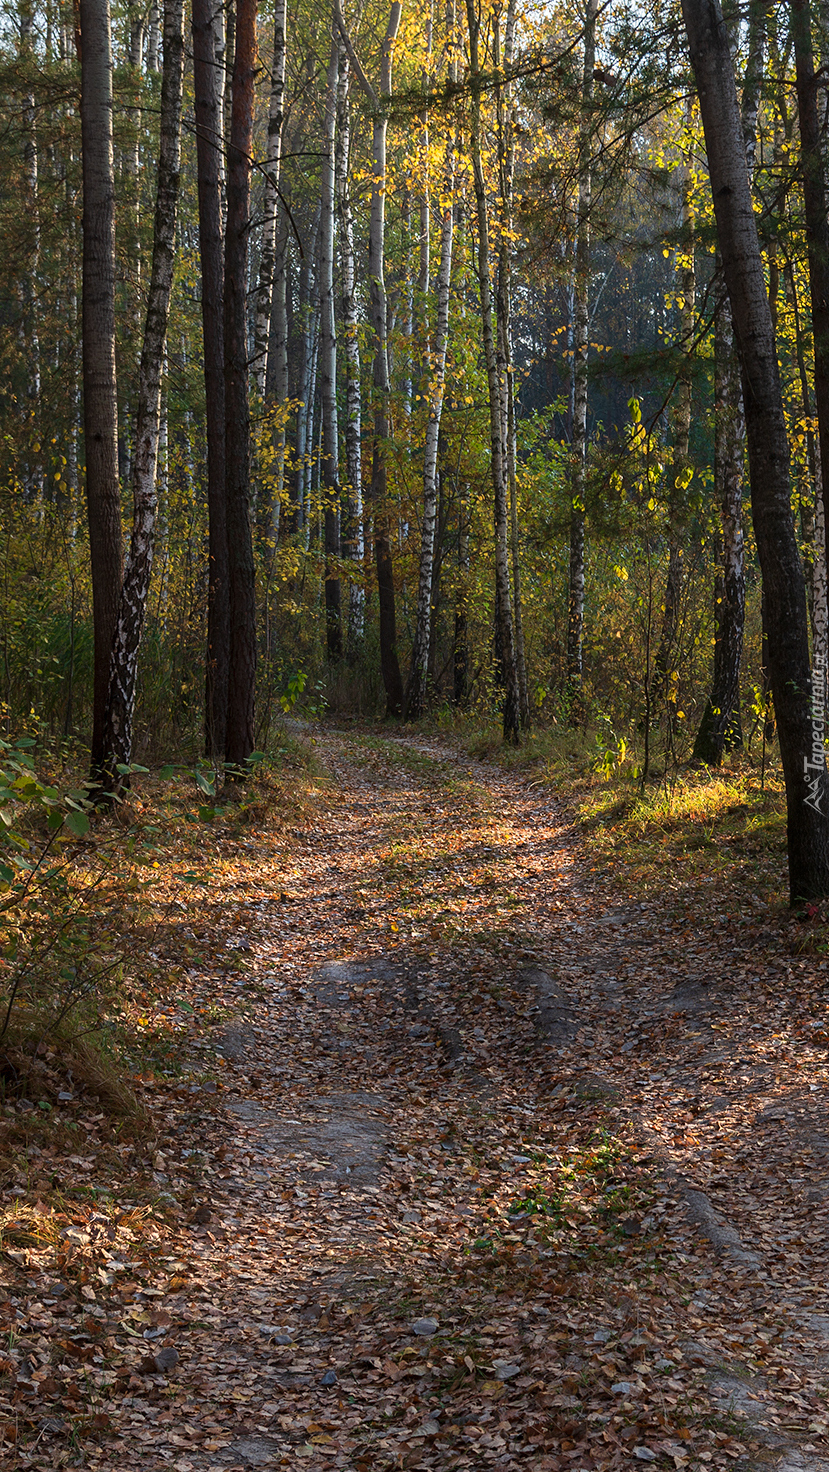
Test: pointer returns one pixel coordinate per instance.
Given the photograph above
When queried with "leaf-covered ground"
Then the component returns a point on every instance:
(464, 1156)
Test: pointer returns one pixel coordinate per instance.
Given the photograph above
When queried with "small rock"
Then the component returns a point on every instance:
(644, 1453)
(411, 1216)
(425, 1328)
(622, 1387)
(64, 1097)
(521, 1159)
(329, 1378)
(601, 1336)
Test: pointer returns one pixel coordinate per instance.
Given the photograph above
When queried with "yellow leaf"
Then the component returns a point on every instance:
(493, 1388)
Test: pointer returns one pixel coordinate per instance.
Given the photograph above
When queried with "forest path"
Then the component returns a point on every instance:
(509, 1171)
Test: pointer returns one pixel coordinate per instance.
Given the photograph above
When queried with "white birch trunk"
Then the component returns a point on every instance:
(503, 601)
(136, 580)
(353, 543)
(272, 166)
(329, 467)
(581, 322)
(417, 687)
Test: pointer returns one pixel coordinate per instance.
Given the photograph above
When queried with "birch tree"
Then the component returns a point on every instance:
(436, 367)
(328, 363)
(581, 322)
(118, 725)
(270, 204)
(353, 546)
(100, 403)
(505, 637)
(378, 103)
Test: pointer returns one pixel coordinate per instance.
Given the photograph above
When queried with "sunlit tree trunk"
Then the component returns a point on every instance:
(812, 161)
(270, 207)
(330, 470)
(378, 102)
(807, 787)
(308, 315)
(506, 172)
(581, 308)
(136, 583)
(99, 388)
(416, 689)
(505, 637)
(353, 543)
(665, 662)
(239, 737)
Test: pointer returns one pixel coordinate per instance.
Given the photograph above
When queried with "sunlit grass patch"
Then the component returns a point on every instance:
(703, 823)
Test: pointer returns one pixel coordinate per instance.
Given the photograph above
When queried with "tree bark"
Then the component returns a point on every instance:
(239, 738)
(378, 102)
(804, 767)
(99, 388)
(817, 224)
(208, 88)
(30, 337)
(720, 729)
(118, 724)
(330, 467)
(506, 174)
(417, 683)
(581, 318)
(353, 542)
(665, 662)
(505, 636)
(270, 207)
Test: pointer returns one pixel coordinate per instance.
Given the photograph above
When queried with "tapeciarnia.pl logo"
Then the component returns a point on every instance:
(814, 766)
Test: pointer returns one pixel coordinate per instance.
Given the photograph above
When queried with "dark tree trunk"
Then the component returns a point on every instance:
(804, 767)
(209, 122)
(100, 411)
(720, 729)
(239, 738)
(136, 583)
